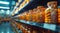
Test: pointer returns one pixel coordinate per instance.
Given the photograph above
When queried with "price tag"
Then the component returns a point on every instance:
(50, 26)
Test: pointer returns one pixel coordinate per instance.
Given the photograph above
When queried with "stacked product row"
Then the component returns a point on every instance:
(58, 14)
(42, 14)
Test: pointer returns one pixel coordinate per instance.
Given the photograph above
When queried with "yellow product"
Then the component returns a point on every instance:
(58, 15)
(37, 17)
(51, 12)
(42, 16)
(41, 13)
(23, 17)
(18, 26)
(51, 16)
(20, 17)
(28, 17)
(33, 17)
(47, 16)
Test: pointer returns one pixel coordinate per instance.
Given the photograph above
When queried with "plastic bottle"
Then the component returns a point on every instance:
(51, 12)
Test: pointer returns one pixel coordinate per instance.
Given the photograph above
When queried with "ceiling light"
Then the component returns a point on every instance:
(4, 7)
(3, 2)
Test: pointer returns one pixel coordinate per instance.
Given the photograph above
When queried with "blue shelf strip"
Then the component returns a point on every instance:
(52, 27)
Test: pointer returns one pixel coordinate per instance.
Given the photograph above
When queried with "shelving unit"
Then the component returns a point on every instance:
(17, 31)
(52, 27)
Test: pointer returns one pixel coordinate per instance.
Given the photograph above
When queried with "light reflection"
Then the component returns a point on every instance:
(2, 32)
(7, 31)
(2, 11)
(8, 11)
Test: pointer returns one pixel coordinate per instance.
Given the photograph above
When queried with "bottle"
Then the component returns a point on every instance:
(27, 16)
(34, 15)
(41, 13)
(21, 17)
(54, 12)
(51, 12)
(30, 13)
(38, 16)
(58, 16)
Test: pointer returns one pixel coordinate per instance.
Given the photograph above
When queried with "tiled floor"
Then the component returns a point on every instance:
(6, 28)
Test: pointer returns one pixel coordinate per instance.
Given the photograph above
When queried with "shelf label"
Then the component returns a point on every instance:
(50, 26)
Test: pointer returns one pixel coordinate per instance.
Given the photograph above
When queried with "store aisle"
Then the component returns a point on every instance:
(6, 28)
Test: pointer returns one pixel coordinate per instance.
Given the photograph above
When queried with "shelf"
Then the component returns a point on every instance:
(52, 27)
(16, 29)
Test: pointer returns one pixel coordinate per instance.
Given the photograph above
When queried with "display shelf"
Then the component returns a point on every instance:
(18, 31)
(52, 27)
